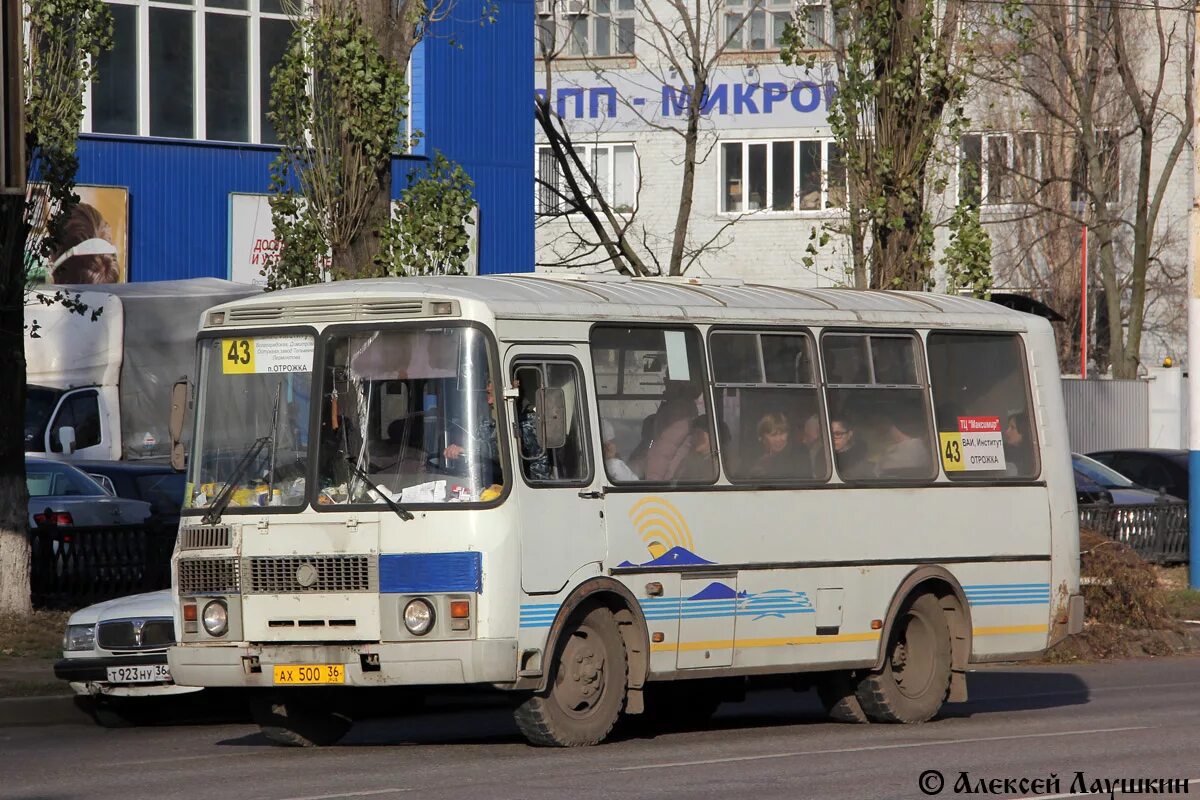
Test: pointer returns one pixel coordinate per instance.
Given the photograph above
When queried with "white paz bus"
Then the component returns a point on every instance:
(611, 496)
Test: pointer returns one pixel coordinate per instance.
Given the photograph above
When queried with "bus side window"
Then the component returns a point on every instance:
(542, 462)
(876, 394)
(768, 406)
(654, 409)
(981, 401)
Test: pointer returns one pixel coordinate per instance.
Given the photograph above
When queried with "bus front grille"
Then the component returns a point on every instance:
(204, 537)
(310, 574)
(208, 576)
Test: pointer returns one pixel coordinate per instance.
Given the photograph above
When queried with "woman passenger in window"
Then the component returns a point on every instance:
(778, 458)
(850, 454)
(1018, 445)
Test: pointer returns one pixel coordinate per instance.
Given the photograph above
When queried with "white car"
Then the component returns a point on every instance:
(118, 649)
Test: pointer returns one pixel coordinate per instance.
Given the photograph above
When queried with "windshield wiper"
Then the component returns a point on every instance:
(400, 510)
(226, 494)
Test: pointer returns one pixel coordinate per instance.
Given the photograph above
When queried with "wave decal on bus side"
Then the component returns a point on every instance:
(1008, 594)
(715, 600)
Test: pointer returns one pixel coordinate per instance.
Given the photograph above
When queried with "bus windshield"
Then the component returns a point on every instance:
(252, 418)
(409, 412)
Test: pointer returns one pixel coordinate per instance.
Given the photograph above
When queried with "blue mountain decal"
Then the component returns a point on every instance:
(715, 591)
(676, 556)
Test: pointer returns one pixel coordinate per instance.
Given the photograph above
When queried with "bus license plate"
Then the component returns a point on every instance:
(309, 674)
(141, 673)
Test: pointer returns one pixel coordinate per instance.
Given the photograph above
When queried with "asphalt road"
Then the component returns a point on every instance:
(1130, 720)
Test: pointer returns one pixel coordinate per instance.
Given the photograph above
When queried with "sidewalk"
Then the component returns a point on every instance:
(31, 695)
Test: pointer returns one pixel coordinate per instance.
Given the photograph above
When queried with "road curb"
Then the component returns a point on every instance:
(59, 709)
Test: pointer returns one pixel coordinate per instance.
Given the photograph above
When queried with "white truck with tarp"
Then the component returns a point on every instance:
(99, 387)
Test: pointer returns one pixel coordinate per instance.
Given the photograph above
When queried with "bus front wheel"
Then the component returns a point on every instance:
(915, 678)
(586, 691)
(296, 721)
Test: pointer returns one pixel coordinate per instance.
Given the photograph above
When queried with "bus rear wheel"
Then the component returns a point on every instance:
(586, 690)
(915, 678)
(296, 721)
(837, 692)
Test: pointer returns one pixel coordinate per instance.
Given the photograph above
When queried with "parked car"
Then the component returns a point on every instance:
(153, 482)
(1121, 490)
(62, 495)
(1152, 468)
(115, 653)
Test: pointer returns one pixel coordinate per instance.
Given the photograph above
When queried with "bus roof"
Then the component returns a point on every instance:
(604, 297)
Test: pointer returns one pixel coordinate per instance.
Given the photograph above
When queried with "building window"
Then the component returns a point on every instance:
(999, 168)
(1108, 146)
(583, 28)
(782, 175)
(189, 69)
(759, 24)
(613, 166)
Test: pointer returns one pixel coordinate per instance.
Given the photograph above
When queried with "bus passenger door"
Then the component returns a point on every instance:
(561, 525)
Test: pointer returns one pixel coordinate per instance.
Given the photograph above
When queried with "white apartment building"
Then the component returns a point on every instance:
(770, 185)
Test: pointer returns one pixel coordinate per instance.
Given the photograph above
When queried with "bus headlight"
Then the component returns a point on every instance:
(216, 618)
(418, 617)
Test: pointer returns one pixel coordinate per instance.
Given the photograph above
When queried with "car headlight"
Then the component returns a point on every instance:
(418, 617)
(79, 637)
(216, 618)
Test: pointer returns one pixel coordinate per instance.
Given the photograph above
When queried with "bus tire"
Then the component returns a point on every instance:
(837, 692)
(914, 680)
(586, 691)
(297, 722)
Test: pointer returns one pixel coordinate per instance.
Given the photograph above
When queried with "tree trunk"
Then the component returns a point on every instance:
(690, 141)
(14, 497)
(394, 27)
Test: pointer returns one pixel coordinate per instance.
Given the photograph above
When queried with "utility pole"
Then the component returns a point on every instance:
(1194, 346)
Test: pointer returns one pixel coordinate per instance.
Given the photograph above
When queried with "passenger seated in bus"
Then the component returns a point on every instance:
(776, 458)
(699, 464)
(1018, 445)
(907, 454)
(617, 469)
(849, 453)
(670, 431)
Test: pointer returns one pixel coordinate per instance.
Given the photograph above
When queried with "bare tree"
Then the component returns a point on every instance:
(679, 46)
(1106, 88)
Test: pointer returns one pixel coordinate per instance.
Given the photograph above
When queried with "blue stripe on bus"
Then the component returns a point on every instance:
(431, 572)
(1008, 594)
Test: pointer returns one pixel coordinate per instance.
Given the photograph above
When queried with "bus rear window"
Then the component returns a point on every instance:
(981, 402)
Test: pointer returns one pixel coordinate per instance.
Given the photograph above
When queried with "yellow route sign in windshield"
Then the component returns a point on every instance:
(266, 355)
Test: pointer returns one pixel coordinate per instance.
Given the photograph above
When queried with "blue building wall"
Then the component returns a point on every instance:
(471, 102)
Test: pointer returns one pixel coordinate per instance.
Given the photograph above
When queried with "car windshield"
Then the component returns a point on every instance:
(409, 412)
(50, 479)
(1105, 476)
(39, 405)
(163, 492)
(252, 421)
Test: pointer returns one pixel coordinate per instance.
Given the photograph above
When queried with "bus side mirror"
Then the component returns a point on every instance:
(552, 403)
(179, 400)
(66, 438)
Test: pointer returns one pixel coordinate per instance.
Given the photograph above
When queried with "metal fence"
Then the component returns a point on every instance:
(1107, 414)
(75, 567)
(1158, 531)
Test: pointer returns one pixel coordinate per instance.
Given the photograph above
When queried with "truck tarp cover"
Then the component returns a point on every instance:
(161, 320)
